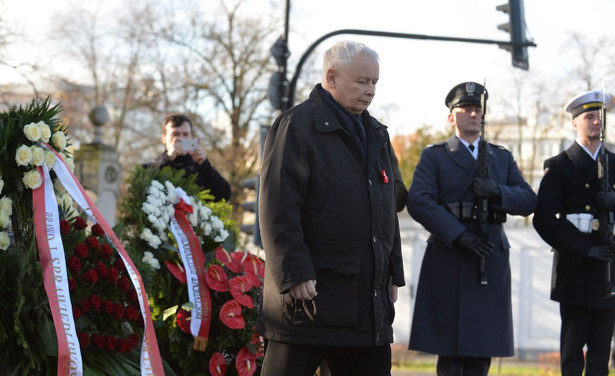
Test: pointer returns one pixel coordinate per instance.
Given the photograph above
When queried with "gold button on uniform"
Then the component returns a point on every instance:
(586, 185)
(587, 207)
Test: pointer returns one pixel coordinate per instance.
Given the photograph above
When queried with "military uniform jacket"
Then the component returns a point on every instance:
(454, 315)
(570, 185)
(327, 212)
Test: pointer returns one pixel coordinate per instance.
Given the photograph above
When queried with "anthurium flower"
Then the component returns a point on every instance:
(224, 257)
(230, 315)
(216, 278)
(217, 364)
(245, 362)
(177, 271)
(183, 321)
(254, 268)
(239, 286)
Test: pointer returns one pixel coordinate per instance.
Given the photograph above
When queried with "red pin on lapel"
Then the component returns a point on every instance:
(385, 178)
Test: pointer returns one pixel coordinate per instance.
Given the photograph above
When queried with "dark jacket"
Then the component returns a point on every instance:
(207, 177)
(327, 212)
(454, 315)
(570, 185)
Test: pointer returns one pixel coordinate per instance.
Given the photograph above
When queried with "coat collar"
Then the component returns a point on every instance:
(581, 160)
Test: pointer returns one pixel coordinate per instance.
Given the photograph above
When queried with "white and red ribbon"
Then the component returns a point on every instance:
(151, 363)
(193, 259)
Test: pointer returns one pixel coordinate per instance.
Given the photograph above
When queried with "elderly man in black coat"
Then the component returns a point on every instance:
(329, 227)
(462, 321)
(571, 199)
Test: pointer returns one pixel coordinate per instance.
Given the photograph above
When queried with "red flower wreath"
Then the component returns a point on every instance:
(105, 304)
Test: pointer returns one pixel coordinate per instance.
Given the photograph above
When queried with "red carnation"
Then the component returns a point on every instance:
(98, 340)
(124, 284)
(80, 223)
(121, 345)
(113, 274)
(84, 339)
(98, 230)
(245, 362)
(110, 342)
(118, 311)
(77, 312)
(64, 227)
(74, 264)
(101, 269)
(84, 305)
(230, 315)
(132, 340)
(92, 243)
(81, 250)
(90, 276)
(95, 301)
(107, 307)
(106, 251)
(131, 313)
(132, 296)
(119, 265)
(217, 364)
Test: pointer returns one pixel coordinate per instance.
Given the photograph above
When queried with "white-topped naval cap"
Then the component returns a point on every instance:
(587, 101)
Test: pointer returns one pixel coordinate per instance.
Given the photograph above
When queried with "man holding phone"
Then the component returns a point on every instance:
(184, 152)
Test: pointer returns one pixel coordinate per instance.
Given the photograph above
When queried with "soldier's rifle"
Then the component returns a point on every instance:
(605, 215)
(483, 203)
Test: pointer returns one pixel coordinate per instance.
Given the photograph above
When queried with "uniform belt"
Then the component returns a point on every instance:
(584, 222)
(467, 211)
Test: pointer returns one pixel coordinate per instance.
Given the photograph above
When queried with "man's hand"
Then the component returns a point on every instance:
(304, 290)
(473, 243)
(394, 293)
(198, 155)
(606, 200)
(601, 252)
(487, 188)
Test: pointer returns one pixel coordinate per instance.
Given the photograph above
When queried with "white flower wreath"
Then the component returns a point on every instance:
(159, 206)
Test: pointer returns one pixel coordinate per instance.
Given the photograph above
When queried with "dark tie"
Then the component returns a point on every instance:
(471, 147)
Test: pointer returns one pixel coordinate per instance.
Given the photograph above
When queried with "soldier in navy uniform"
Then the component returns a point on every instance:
(462, 321)
(570, 198)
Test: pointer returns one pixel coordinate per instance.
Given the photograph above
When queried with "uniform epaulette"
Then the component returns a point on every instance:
(498, 146)
(436, 144)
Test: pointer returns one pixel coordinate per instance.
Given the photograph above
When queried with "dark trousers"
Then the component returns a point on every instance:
(282, 359)
(462, 366)
(585, 326)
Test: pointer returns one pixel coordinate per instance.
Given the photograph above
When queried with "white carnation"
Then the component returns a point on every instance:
(58, 139)
(32, 132)
(23, 155)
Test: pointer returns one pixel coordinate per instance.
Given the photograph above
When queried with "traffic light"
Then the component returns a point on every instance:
(252, 206)
(278, 84)
(516, 28)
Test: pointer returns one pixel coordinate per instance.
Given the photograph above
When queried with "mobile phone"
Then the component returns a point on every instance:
(187, 144)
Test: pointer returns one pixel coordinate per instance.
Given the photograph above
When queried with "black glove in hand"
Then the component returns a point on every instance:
(601, 252)
(487, 188)
(473, 242)
(606, 200)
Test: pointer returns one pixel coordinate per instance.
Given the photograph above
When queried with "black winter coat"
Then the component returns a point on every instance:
(327, 212)
(454, 315)
(570, 185)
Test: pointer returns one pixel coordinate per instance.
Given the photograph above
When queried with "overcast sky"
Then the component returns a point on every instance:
(415, 75)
